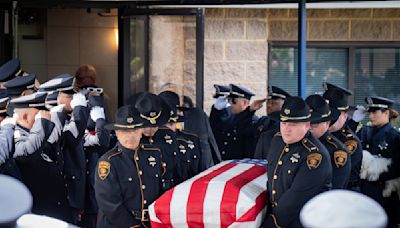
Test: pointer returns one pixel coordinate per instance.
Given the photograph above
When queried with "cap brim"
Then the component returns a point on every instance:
(112, 127)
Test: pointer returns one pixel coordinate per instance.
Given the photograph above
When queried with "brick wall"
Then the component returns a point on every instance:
(236, 41)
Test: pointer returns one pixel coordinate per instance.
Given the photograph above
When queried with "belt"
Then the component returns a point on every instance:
(142, 215)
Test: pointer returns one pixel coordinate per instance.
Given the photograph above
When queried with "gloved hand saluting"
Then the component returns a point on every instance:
(78, 99)
(221, 103)
(359, 113)
(96, 113)
(58, 108)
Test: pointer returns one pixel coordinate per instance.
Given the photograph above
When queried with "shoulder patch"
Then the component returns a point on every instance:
(103, 169)
(340, 158)
(351, 145)
(314, 160)
(310, 146)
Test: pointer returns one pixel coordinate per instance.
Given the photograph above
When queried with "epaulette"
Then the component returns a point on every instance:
(149, 147)
(114, 152)
(310, 146)
(346, 133)
(330, 140)
(183, 139)
(189, 133)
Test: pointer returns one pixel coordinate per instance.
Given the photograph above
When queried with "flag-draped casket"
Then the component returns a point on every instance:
(230, 194)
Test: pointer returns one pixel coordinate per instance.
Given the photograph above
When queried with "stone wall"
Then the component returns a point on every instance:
(337, 25)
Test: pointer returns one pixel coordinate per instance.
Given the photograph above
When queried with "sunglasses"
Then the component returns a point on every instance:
(232, 100)
(95, 90)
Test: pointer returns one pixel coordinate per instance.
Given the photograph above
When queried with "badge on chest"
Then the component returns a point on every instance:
(152, 161)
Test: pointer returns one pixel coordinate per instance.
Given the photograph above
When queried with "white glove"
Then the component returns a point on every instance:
(96, 113)
(8, 120)
(359, 113)
(391, 186)
(373, 166)
(221, 103)
(58, 108)
(78, 99)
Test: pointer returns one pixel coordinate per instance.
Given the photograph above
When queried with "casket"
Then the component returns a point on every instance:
(230, 194)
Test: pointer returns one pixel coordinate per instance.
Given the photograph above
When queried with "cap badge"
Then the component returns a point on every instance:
(287, 111)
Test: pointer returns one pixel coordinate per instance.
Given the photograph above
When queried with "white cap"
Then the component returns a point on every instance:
(40, 221)
(15, 200)
(342, 208)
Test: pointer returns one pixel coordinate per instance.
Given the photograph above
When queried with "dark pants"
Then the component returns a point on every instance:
(391, 204)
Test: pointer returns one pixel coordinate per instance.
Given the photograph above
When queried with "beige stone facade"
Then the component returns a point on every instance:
(236, 42)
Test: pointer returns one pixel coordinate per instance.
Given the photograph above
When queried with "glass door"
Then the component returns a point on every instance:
(159, 49)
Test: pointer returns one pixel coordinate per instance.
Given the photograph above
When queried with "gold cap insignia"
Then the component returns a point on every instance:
(129, 120)
(286, 111)
(103, 169)
(340, 157)
(153, 114)
(314, 160)
(152, 161)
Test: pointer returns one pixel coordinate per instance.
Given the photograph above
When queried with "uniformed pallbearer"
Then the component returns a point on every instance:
(298, 165)
(339, 101)
(321, 116)
(128, 177)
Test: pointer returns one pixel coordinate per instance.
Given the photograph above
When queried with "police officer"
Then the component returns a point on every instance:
(298, 167)
(76, 115)
(321, 116)
(187, 145)
(48, 171)
(339, 102)
(231, 123)
(381, 161)
(95, 143)
(7, 163)
(128, 177)
(197, 122)
(275, 99)
(156, 135)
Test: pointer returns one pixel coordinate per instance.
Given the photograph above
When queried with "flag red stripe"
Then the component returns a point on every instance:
(231, 193)
(251, 214)
(197, 194)
(162, 208)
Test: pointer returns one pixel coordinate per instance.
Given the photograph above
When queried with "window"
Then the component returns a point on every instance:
(368, 71)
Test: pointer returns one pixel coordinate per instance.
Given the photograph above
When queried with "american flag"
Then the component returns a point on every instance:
(230, 194)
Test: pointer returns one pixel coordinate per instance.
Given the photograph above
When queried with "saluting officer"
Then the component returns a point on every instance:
(381, 161)
(7, 163)
(232, 124)
(186, 145)
(338, 101)
(298, 167)
(128, 177)
(76, 115)
(321, 116)
(275, 99)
